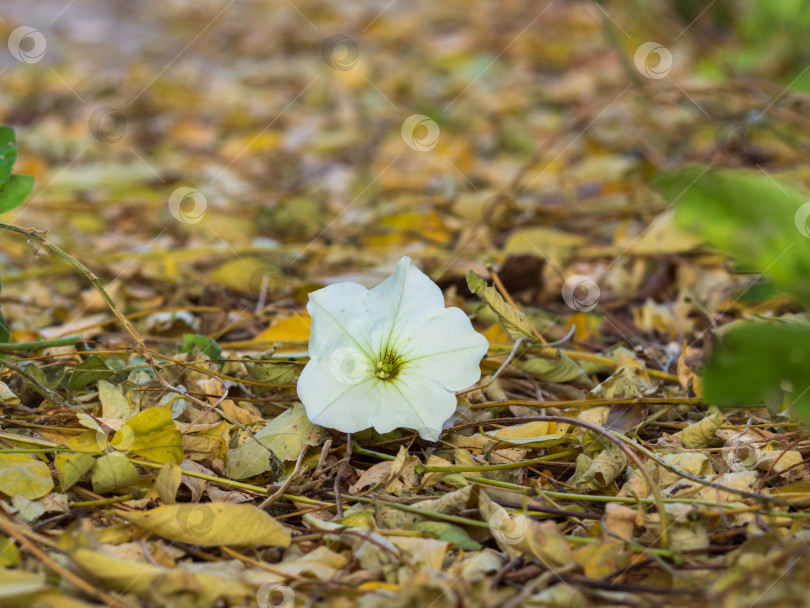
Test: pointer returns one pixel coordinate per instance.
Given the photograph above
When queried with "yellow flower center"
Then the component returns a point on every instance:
(388, 366)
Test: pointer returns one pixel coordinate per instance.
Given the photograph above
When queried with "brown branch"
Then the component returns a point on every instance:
(18, 537)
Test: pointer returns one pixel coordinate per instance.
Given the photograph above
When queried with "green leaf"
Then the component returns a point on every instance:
(24, 476)
(91, 369)
(540, 441)
(8, 152)
(514, 322)
(262, 369)
(205, 345)
(14, 191)
(755, 361)
(5, 330)
(71, 468)
(762, 223)
(112, 472)
(449, 533)
(285, 437)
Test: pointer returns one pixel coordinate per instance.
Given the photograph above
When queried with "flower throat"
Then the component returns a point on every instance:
(388, 366)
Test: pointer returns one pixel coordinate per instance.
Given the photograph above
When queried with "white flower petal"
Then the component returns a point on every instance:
(337, 313)
(402, 301)
(446, 349)
(334, 404)
(369, 317)
(422, 406)
(385, 406)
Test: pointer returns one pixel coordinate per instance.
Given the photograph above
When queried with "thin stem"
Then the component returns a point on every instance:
(32, 234)
(499, 371)
(235, 484)
(107, 501)
(40, 388)
(588, 403)
(454, 518)
(40, 344)
(584, 540)
(697, 478)
(17, 536)
(421, 468)
(497, 484)
(338, 477)
(358, 449)
(612, 437)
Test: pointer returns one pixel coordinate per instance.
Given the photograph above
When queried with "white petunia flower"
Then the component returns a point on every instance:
(388, 357)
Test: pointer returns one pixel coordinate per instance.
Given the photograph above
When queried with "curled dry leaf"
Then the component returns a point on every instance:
(602, 471)
(521, 535)
(701, 434)
(514, 322)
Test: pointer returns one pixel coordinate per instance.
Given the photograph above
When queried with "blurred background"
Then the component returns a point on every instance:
(268, 147)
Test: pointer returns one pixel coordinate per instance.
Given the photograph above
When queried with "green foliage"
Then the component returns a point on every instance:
(757, 361)
(202, 344)
(8, 152)
(91, 369)
(13, 191)
(749, 216)
(774, 35)
(13, 188)
(5, 331)
(761, 224)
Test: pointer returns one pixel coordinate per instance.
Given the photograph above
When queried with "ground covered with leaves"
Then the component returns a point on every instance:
(604, 211)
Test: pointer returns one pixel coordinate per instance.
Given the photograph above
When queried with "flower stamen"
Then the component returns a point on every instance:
(388, 366)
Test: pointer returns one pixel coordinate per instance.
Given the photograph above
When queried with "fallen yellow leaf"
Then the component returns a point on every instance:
(211, 524)
(151, 434)
(24, 476)
(293, 329)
